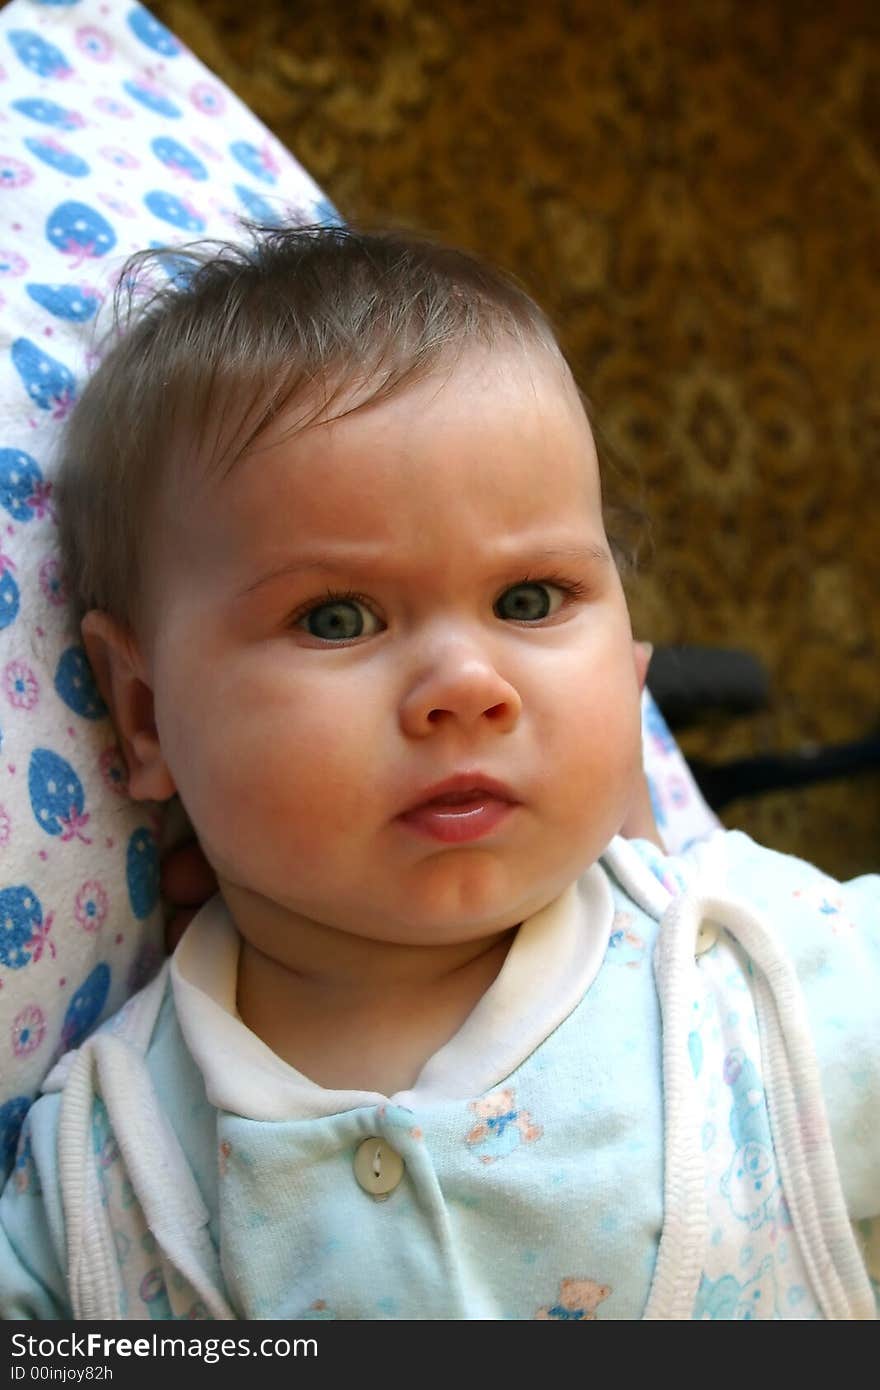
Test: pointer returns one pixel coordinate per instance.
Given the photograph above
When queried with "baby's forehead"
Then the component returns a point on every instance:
(467, 376)
(458, 480)
(343, 437)
(512, 425)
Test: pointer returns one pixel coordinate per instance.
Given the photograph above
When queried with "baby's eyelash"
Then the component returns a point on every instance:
(331, 596)
(572, 588)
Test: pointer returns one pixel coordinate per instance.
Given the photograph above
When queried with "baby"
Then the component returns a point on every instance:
(444, 1045)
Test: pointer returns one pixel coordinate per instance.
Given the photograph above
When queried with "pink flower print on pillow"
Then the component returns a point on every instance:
(52, 581)
(114, 772)
(94, 43)
(91, 905)
(28, 1030)
(21, 685)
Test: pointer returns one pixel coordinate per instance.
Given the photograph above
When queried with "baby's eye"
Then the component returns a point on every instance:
(339, 620)
(528, 603)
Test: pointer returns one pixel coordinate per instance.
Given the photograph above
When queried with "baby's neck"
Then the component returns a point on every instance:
(356, 1014)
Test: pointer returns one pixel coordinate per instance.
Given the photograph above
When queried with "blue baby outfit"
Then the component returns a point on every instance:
(630, 1123)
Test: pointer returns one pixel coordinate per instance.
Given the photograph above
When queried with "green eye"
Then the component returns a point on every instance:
(528, 603)
(340, 620)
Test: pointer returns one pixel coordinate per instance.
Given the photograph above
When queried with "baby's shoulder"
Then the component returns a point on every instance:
(135, 1063)
(810, 913)
(829, 934)
(804, 905)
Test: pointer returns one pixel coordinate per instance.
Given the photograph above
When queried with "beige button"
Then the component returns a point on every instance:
(377, 1167)
(707, 935)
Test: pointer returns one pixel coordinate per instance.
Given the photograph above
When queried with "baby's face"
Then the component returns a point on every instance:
(393, 669)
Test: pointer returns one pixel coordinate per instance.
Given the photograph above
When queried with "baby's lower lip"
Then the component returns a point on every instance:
(456, 822)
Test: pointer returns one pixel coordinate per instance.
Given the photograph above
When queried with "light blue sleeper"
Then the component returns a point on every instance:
(667, 1105)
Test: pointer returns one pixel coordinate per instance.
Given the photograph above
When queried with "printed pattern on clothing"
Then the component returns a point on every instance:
(577, 1302)
(749, 1221)
(501, 1127)
(563, 1227)
(150, 1287)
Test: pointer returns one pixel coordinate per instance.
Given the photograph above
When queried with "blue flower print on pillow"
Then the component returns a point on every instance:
(75, 684)
(258, 207)
(85, 1007)
(148, 29)
(258, 162)
(22, 487)
(174, 210)
(49, 383)
(57, 796)
(178, 158)
(10, 597)
(23, 931)
(49, 113)
(11, 1120)
(71, 302)
(40, 57)
(80, 231)
(152, 98)
(57, 157)
(142, 873)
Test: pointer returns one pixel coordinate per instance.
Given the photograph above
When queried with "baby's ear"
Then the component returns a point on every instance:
(119, 669)
(642, 653)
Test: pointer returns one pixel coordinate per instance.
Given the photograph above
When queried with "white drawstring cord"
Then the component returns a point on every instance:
(796, 1107)
(92, 1273)
(681, 1256)
(111, 1065)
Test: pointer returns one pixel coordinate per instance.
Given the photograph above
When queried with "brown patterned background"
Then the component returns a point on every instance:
(693, 191)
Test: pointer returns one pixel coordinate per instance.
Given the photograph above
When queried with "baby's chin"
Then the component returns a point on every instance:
(450, 897)
(472, 917)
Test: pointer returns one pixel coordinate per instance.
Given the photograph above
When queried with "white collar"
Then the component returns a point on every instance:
(554, 958)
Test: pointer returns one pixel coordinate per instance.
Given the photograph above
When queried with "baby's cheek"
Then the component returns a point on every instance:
(281, 790)
(597, 770)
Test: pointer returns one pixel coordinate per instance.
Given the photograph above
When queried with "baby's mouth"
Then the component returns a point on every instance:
(457, 800)
(460, 809)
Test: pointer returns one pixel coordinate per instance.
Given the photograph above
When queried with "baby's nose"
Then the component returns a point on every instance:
(463, 689)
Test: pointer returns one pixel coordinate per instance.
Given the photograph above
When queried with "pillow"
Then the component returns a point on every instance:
(114, 137)
(680, 809)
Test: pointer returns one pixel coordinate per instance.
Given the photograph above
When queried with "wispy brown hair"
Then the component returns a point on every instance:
(238, 333)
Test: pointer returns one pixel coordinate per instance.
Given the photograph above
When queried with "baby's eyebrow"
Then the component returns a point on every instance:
(568, 554)
(304, 564)
(530, 558)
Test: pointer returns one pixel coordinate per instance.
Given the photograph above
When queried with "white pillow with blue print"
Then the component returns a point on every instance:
(112, 137)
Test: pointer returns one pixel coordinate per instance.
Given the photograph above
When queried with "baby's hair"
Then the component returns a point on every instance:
(322, 318)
